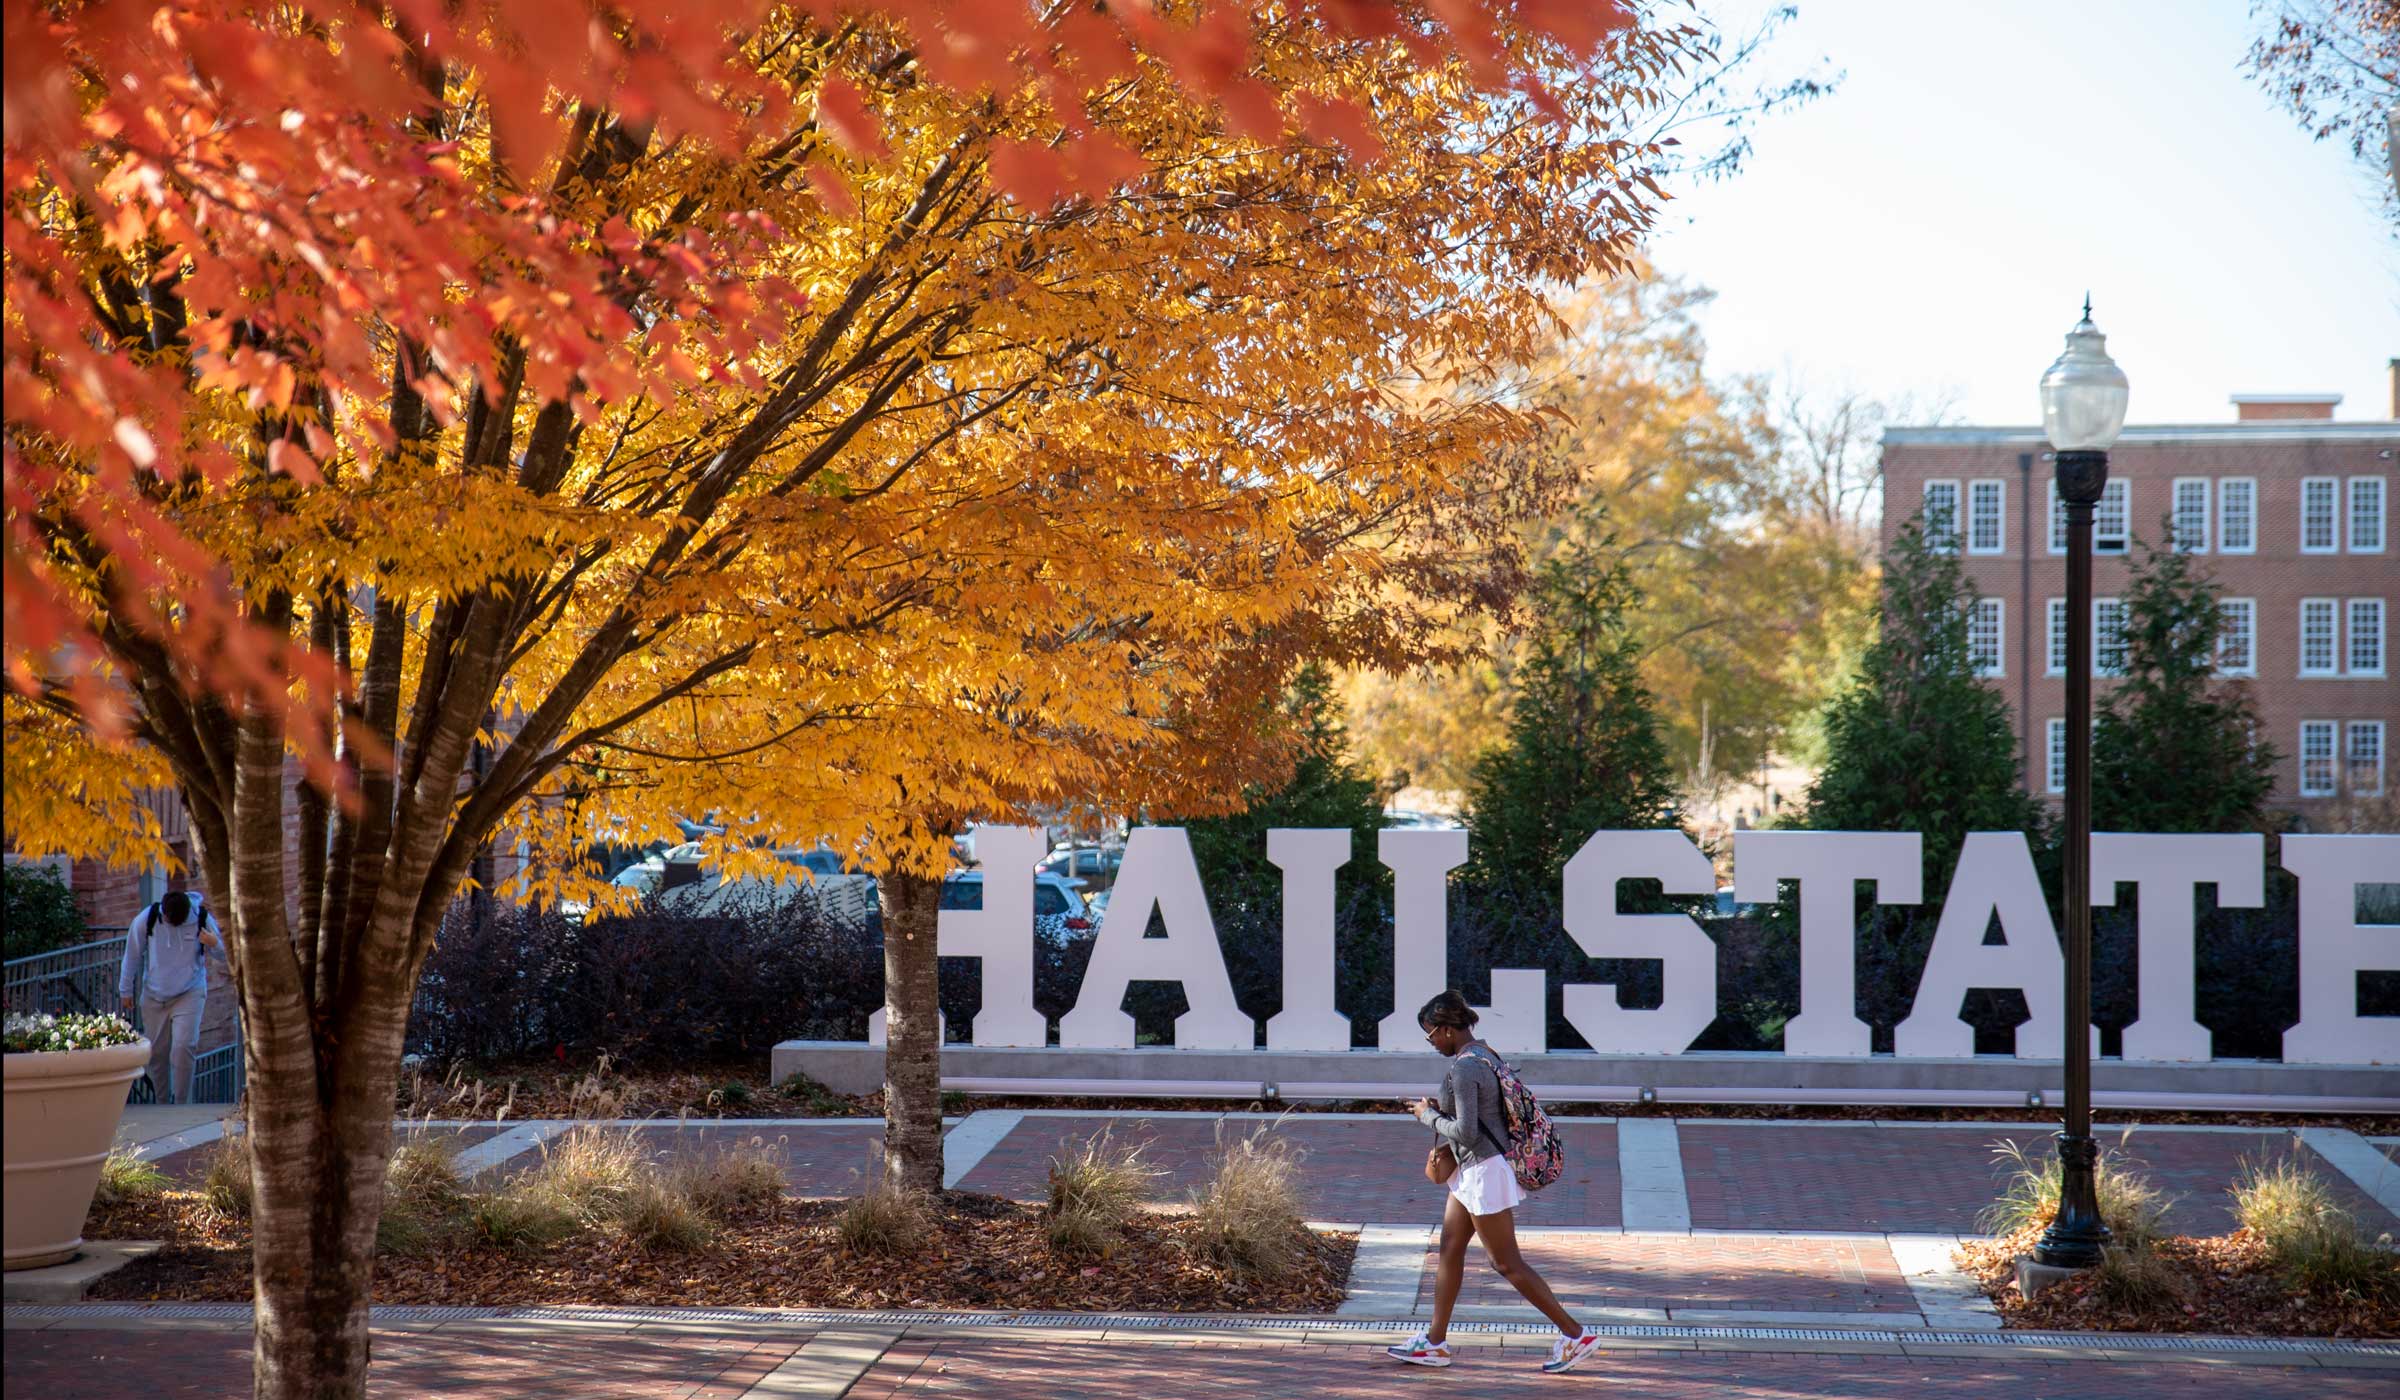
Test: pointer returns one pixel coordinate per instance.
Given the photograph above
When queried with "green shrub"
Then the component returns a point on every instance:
(814, 1096)
(2316, 1246)
(1249, 1208)
(41, 911)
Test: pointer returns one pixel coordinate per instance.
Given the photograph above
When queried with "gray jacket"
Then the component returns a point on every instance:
(1469, 1117)
(166, 960)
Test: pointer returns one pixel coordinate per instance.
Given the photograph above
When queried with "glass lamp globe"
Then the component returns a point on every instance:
(2083, 393)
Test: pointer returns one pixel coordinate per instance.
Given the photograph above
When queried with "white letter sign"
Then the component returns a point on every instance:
(1828, 865)
(1421, 861)
(1158, 874)
(1308, 1020)
(1602, 931)
(1995, 876)
(2165, 872)
(2335, 947)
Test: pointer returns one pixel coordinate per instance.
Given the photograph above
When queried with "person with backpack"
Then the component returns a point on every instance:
(166, 955)
(1492, 1145)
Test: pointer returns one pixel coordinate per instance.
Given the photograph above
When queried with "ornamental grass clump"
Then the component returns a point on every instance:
(46, 1034)
(884, 1218)
(2131, 1205)
(2309, 1239)
(421, 1194)
(1248, 1211)
(589, 1171)
(657, 1214)
(126, 1177)
(726, 1183)
(225, 1183)
(1094, 1189)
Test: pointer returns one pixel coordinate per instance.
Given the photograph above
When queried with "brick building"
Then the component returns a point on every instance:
(2289, 510)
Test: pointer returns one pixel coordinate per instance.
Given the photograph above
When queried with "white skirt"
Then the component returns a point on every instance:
(1488, 1187)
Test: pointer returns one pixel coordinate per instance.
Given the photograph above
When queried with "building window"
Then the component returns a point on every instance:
(2316, 758)
(2237, 637)
(2366, 515)
(1987, 515)
(2191, 514)
(2112, 519)
(2366, 637)
(2058, 637)
(2237, 515)
(2319, 514)
(2055, 742)
(1941, 516)
(1985, 627)
(2108, 636)
(2317, 656)
(2366, 757)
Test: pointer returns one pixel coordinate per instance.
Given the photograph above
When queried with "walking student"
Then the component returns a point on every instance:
(1470, 1156)
(166, 955)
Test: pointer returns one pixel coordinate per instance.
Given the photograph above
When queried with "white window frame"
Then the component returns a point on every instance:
(2101, 634)
(2199, 485)
(2058, 519)
(2351, 734)
(2056, 665)
(2329, 784)
(1998, 608)
(2331, 486)
(2249, 494)
(2247, 609)
(2363, 617)
(1944, 540)
(2054, 754)
(2374, 516)
(2332, 610)
(2115, 498)
(1995, 490)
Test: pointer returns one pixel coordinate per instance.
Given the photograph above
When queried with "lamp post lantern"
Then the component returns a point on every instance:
(2083, 407)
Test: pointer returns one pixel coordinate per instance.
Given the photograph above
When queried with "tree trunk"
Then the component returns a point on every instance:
(912, 1051)
(318, 1178)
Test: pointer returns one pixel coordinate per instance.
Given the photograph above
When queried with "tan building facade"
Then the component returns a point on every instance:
(2287, 508)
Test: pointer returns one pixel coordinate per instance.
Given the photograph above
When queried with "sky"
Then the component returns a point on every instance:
(1929, 230)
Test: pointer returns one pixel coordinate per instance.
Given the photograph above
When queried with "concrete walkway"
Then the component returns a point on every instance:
(98, 1350)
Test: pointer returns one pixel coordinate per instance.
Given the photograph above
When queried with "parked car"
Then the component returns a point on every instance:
(685, 885)
(1408, 819)
(1094, 864)
(1059, 913)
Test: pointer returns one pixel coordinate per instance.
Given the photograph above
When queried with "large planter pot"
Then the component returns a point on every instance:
(62, 1109)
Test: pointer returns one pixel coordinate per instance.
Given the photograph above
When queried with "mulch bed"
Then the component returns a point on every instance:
(544, 1090)
(986, 1253)
(2225, 1283)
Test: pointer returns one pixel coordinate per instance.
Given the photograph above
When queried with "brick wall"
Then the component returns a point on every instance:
(2277, 576)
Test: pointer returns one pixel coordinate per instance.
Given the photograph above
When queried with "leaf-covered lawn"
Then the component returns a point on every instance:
(986, 1253)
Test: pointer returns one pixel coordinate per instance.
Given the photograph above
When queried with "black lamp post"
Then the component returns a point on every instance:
(2083, 407)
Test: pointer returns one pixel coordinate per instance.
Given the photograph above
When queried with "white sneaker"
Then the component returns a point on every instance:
(1417, 1351)
(1567, 1352)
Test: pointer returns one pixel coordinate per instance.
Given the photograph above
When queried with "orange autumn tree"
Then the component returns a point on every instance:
(787, 422)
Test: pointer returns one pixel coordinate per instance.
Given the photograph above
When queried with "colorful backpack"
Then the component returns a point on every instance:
(1535, 1152)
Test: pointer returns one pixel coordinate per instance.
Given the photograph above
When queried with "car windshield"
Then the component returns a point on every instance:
(962, 894)
(1049, 899)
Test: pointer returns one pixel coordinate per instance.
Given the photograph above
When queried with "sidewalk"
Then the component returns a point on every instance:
(97, 1351)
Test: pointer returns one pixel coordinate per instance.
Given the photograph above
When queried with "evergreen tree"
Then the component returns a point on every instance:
(2172, 750)
(1326, 790)
(1918, 742)
(1584, 752)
